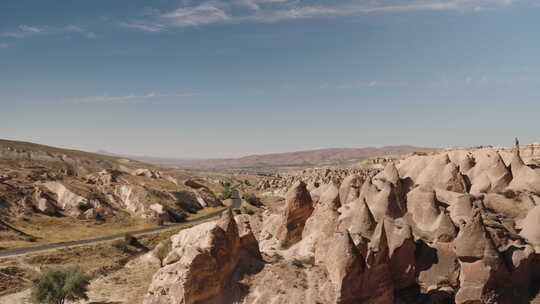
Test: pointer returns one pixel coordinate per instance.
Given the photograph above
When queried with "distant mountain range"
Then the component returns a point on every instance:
(308, 158)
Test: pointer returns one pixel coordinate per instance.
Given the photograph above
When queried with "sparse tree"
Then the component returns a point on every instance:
(58, 285)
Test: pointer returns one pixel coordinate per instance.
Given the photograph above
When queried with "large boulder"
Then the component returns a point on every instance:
(204, 270)
(43, 202)
(483, 273)
(524, 178)
(531, 228)
(489, 173)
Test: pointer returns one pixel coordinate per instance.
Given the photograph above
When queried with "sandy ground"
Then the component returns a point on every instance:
(17, 298)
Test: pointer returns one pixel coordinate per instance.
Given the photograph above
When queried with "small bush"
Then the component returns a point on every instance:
(509, 194)
(178, 214)
(252, 199)
(58, 285)
(246, 210)
(130, 239)
(227, 193)
(133, 241)
(31, 239)
(165, 249)
(122, 246)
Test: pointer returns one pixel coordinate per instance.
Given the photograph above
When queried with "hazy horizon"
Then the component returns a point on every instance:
(224, 79)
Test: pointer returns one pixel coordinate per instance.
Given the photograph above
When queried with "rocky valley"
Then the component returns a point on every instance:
(459, 225)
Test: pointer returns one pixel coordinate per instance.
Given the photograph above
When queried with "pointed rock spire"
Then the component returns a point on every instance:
(330, 195)
(345, 266)
(227, 222)
(365, 223)
(385, 202)
(298, 208)
(350, 189)
(378, 247)
(466, 163)
(446, 231)
(391, 173)
(517, 162)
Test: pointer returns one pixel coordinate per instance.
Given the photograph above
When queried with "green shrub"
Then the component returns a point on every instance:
(121, 245)
(178, 214)
(130, 240)
(246, 210)
(31, 239)
(58, 285)
(252, 199)
(226, 193)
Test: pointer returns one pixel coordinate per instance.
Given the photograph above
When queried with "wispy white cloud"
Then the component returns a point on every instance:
(238, 11)
(146, 27)
(126, 99)
(80, 30)
(205, 13)
(371, 84)
(25, 31)
(468, 81)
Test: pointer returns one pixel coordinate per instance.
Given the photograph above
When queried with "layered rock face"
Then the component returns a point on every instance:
(102, 194)
(87, 186)
(460, 226)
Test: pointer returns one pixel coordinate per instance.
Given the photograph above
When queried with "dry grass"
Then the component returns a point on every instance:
(49, 229)
(205, 211)
(95, 259)
(102, 261)
(64, 229)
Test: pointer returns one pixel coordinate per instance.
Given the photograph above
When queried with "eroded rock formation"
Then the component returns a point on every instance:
(459, 226)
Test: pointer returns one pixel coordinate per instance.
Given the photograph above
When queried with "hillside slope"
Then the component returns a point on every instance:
(44, 189)
(331, 156)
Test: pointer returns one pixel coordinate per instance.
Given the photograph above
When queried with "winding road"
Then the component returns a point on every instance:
(236, 202)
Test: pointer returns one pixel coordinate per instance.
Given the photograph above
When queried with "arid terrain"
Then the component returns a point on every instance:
(269, 152)
(449, 226)
(289, 160)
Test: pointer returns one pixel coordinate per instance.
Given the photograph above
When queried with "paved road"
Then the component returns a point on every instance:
(236, 201)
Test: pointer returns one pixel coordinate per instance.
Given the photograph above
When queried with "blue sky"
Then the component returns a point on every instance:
(223, 78)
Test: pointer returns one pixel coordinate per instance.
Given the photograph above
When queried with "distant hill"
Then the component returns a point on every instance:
(163, 161)
(309, 158)
(26, 154)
